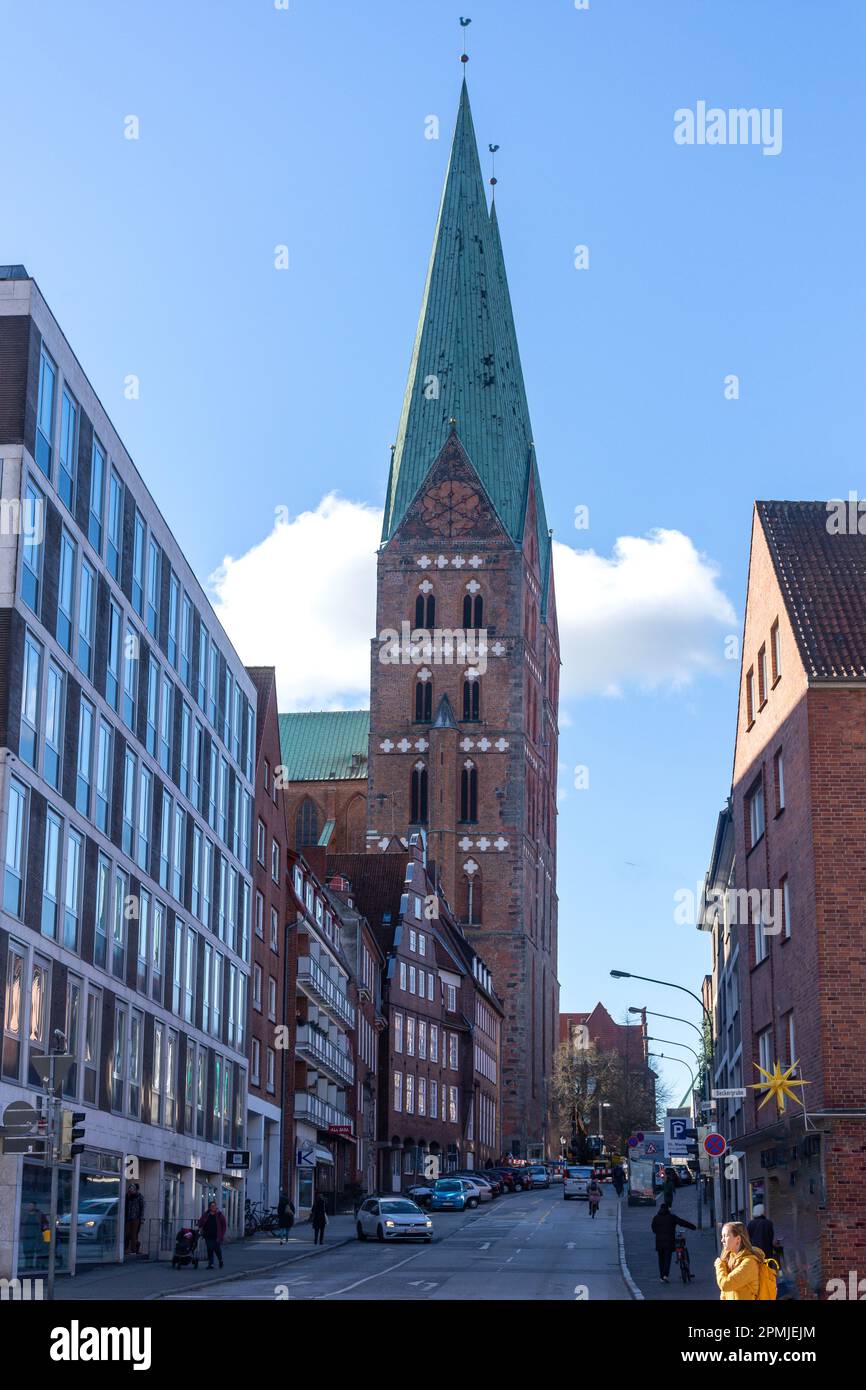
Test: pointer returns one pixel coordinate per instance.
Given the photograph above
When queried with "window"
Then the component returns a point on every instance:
(260, 917)
(103, 776)
(173, 605)
(213, 683)
(165, 724)
(45, 413)
(227, 708)
(779, 779)
(114, 543)
(157, 951)
(792, 1057)
(196, 871)
(413, 941)
(422, 1039)
(72, 1028)
(152, 715)
(112, 673)
(469, 792)
(68, 448)
(275, 929)
(422, 944)
(410, 1094)
(411, 979)
(185, 639)
(30, 700)
(410, 1036)
(750, 696)
(207, 880)
(762, 677)
(128, 826)
(272, 999)
(434, 1099)
(201, 683)
(755, 804)
(84, 778)
(452, 1051)
(118, 1061)
(185, 735)
(217, 1009)
(136, 1034)
(256, 1062)
(471, 699)
(130, 666)
(260, 841)
(86, 612)
(165, 840)
(452, 1104)
(271, 1081)
(452, 998)
(434, 1042)
(425, 611)
(16, 839)
(145, 798)
(222, 823)
(403, 975)
(138, 564)
(51, 874)
(103, 890)
(97, 497)
(473, 611)
(275, 861)
(118, 927)
(257, 988)
(762, 945)
(33, 533)
(423, 698)
(154, 562)
(419, 794)
(306, 824)
(786, 908)
(196, 778)
(430, 979)
(775, 652)
(398, 1090)
(398, 1032)
(65, 590)
(179, 849)
(171, 1056)
(765, 1049)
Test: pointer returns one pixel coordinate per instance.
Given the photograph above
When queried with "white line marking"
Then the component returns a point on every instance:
(377, 1275)
(485, 1246)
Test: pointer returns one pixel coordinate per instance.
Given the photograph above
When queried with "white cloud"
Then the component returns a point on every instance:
(651, 615)
(304, 600)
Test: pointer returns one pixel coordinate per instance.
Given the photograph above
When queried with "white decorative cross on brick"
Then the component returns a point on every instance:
(501, 744)
(500, 844)
(425, 586)
(386, 745)
(441, 561)
(470, 867)
(466, 744)
(458, 562)
(424, 674)
(497, 648)
(484, 744)
(422, 745)
(464, 844)
(473, 586)
(471, 673)
(475, 561)
(424, 561)
(483, 843)
(404, 745)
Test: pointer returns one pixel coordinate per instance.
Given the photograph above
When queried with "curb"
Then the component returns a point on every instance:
(623, 1265)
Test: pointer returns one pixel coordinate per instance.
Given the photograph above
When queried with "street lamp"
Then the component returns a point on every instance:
(672, 1018)
(663, 1058)
(671, 1042)
(669, 984)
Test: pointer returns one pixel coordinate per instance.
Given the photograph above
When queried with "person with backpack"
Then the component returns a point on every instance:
(594, 1194)
(285, 1216)
(761, 1232)
(742, 1271)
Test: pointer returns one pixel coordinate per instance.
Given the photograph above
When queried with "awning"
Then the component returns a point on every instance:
(311, 1154)
(323, 1155)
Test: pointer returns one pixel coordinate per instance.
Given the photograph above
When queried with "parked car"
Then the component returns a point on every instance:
(576, 1181)
(393, 1218)
(454, 1194)
(539, 1176)
(96, 1223)
(503, 1175)
(421, 1193)
(481, 1179)
(515, 1178)
(555, 1171)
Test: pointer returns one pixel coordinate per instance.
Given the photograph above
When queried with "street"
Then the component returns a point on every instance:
(523, 1246)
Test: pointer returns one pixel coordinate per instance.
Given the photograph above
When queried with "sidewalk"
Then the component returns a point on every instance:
(642, 1261)
(140, 1280)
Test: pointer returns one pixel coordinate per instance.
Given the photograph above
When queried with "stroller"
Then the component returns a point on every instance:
(185, 1248)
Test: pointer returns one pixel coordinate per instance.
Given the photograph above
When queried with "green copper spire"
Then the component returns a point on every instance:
(465, 364)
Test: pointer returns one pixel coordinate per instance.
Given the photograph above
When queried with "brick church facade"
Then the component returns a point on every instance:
(465, 663)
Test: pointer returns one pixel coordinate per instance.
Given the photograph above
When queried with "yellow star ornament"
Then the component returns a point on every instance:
(778, 1084)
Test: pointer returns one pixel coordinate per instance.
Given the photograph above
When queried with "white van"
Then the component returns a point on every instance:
(575, 1181)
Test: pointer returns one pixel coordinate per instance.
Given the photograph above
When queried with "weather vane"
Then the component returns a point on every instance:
(493, 149)
(464, 24)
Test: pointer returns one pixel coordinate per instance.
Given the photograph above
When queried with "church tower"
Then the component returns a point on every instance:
(463, 733)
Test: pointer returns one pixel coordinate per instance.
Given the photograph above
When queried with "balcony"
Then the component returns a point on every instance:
(318, 1112)
(321, 1052)
(319, 987)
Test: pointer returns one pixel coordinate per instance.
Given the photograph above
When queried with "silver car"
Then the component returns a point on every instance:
(393, 1218)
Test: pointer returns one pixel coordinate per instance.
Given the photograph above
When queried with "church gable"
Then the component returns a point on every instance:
(451, 505)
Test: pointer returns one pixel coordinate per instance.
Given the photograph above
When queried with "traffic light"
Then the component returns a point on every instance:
(70, 1136)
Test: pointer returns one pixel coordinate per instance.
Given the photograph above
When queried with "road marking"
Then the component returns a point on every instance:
(368, 1277)
(424, 1284)
(571, 1245)
(511, 1257)
(485, 1246)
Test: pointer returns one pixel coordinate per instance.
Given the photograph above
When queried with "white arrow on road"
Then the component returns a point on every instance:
(423, 1284)
(485, 1246)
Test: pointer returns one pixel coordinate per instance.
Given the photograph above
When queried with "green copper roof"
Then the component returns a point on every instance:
(325, 746)
(465, 363)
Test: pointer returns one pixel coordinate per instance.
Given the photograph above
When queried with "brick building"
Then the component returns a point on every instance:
(324, 776)
(440, 1053)
(599, 1028)
(797, 807)
(126, 765)
(270, 1122)
(463, 730)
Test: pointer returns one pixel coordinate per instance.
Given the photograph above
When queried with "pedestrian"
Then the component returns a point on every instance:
(664, 1227)
(133, 1216)
(761, 1231)
(285, 1216)
(618, 1180)
(212, 1225)
(669, 1189)
(738, 1268)
(319, 1220)
(34, 1227)
(594, 1193)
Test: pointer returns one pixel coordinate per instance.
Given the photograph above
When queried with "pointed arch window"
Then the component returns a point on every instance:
(473, 611)
(425, 610)
(419, 794)
(471, 698)
(424, 696)
(469, 792)
(306, 824)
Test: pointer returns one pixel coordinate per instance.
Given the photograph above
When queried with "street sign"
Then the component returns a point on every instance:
(730, 1093)
(237, 1158)
(633, 1142)
(677, 1134)
(639, 1136)
(715, 1144)
(650, 1148)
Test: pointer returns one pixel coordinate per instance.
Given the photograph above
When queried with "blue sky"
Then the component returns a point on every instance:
(263, 389)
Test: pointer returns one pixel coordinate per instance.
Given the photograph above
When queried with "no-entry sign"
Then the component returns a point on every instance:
(715, 1144)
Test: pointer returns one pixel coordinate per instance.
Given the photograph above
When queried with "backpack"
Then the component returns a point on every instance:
(768, 1273)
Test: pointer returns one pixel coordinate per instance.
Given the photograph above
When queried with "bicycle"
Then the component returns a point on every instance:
(681, 1250)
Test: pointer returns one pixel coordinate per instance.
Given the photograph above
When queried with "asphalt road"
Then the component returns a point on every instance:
(522, 1246)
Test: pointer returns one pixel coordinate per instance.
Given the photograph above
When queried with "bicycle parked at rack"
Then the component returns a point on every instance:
(258, 1217)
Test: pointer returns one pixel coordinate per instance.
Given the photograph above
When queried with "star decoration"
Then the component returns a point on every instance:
(777, 1084)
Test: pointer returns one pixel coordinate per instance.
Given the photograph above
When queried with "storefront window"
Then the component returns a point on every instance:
(98, 1207)
(35, 1210)
(305, 1187)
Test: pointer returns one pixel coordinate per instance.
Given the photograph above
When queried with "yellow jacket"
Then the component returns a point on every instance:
(737, 1276)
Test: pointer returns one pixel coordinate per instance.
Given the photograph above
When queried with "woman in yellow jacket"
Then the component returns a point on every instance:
(737, 1268)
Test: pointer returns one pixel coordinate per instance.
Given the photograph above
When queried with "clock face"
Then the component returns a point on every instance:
(451, 508)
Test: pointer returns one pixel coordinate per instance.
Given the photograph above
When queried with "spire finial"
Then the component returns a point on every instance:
(493, 149)
(464, 24)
